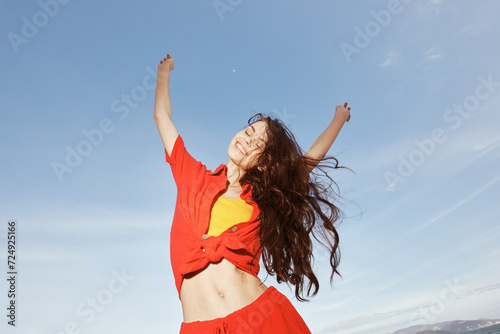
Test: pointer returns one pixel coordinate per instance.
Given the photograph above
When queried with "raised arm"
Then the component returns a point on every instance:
(163, 108)
(322, 145)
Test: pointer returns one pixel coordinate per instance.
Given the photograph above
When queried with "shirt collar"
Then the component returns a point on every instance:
(246, 192)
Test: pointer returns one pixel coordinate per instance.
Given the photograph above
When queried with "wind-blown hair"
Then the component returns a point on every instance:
(293, 205)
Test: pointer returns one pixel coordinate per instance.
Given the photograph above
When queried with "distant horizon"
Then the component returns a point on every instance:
(451, 321)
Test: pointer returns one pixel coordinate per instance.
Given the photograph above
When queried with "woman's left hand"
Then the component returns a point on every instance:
(343, 112)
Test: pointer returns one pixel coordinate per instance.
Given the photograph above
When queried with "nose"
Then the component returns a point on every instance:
(248, 141)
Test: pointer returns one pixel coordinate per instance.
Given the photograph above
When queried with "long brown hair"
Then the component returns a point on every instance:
(294, 204)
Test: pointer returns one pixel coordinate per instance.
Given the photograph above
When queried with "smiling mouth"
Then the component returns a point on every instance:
(240, 148)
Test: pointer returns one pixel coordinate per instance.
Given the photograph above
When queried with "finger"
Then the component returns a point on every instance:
(349, 108)
(345, 105)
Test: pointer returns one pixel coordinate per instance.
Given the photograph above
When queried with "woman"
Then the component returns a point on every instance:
(262, 202)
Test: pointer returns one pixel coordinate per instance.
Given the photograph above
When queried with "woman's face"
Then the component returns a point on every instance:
(248, 144)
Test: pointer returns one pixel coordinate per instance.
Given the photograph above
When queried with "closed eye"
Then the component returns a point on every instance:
(261, 140)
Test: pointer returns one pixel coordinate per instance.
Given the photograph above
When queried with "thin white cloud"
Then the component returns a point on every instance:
(392, 57)
(429, 51)
(429, 9)
(69, 217)
(475, 242)
(480, 141)
(386, 63)
(429, 58)
(473, 29)
(457, 205)
(53, 255)
(430, 55)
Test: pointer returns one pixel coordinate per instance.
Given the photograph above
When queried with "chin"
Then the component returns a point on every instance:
(236, 159)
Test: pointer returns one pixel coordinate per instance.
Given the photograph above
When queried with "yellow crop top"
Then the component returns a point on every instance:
(227, 212)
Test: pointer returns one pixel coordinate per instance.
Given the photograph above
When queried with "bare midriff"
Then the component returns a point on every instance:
(218, 290)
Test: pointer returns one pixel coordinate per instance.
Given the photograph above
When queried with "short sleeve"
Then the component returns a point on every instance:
(171, 159)
(181, 162)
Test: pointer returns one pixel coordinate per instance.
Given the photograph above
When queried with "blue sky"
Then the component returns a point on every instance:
(420, 239)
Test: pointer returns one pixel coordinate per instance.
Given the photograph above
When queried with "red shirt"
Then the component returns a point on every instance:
(191, 248)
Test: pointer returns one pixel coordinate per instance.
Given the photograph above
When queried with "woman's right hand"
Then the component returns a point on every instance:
(166, 65)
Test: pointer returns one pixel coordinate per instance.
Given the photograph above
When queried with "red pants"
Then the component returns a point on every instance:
(271, 313)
